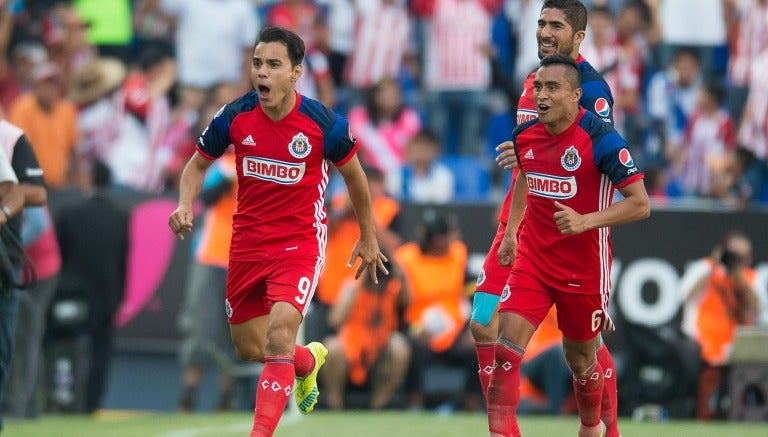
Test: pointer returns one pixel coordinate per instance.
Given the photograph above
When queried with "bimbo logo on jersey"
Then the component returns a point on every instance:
(554, 187)
(602, 108)
(274, 171)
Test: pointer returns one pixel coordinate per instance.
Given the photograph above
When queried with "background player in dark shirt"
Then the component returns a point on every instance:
(283, 144)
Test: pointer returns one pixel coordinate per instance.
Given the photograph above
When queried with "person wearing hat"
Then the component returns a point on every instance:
(93, 89)
(50, 122)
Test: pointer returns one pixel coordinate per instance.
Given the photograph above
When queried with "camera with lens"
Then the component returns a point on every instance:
(731, 259)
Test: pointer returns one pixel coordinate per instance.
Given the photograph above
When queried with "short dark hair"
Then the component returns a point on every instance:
(291, 40)
(572, 73)
(715, 88)
(574, 10)
(153, 53)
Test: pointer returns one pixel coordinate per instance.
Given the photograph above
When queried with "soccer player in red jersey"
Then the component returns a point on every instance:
(570, 162)
(283, 145)
(561, 29)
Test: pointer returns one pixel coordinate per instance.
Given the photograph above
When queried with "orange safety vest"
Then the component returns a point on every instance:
(216, 233)
(716, 323)
(436, 283)
(368, 327)
(341, 241)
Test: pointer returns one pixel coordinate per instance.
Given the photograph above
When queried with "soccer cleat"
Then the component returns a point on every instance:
(306, 392)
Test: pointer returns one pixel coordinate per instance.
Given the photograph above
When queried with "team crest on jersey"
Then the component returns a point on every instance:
(625, 158)
(602, 108)
(571, 159)
(505, 293)
(228, 308)
(300, 146)
(480, 278)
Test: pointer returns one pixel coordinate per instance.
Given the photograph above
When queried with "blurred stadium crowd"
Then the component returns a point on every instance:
(429, 86)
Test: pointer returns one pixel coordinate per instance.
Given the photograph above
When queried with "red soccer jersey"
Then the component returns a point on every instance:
(579, 168)
(596, 97)
(282, 174)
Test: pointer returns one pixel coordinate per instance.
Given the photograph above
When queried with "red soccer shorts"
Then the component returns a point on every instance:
(254, 286)
(580, 317)
(493, 277)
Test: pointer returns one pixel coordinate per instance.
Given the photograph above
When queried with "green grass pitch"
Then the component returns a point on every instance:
(346, 424)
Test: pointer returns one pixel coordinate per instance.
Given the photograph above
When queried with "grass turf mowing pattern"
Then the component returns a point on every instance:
(347, 424)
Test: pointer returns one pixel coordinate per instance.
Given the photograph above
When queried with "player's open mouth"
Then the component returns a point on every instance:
(542, 109)
(263, 91)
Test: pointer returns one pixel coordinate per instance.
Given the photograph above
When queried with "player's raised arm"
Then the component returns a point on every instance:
(191, 183)
(367, 247)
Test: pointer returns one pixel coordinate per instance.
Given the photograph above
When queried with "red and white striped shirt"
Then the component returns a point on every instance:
(751, 40)
(382, 35)
(458, 30)
(753, 132)
(707, 139)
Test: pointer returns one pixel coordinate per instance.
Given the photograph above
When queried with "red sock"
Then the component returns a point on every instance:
(485, 359)
(589, 394)
(272, 393)
(610, 404)
(504, 391)
(303, 360)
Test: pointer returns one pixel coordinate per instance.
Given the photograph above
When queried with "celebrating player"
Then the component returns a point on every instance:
(561, 29)
(570, 161)
(283, 144)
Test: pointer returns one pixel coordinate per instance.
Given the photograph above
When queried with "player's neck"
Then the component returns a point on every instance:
(557, 127)
(283, 109)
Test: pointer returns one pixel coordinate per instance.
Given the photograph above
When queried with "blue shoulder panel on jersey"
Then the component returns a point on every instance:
(215, 138)
(595, 93)
(336, 139)
(609, 149)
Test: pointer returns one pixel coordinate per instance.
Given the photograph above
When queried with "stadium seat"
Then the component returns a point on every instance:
(472, 178)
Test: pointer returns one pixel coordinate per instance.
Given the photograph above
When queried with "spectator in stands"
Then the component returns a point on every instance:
(64, 33)
(699, 25)
(214, 43)
(50, 122)
(424, 179)
(744, 181)
(523, 15)
(384, 126)
(457, 72)
(753, 132)
(382, 40)
(100, 115)
(435, 273)
(16, 69)
(699, 161)
(139, 157)
(42, 248)
(718, 302)
(749, 41)
(304, 18)
(670, 101)
(202, 323)
(93, 236)
(368, 351)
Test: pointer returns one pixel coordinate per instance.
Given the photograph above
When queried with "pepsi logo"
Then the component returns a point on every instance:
(602, 108)
(625, 158)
